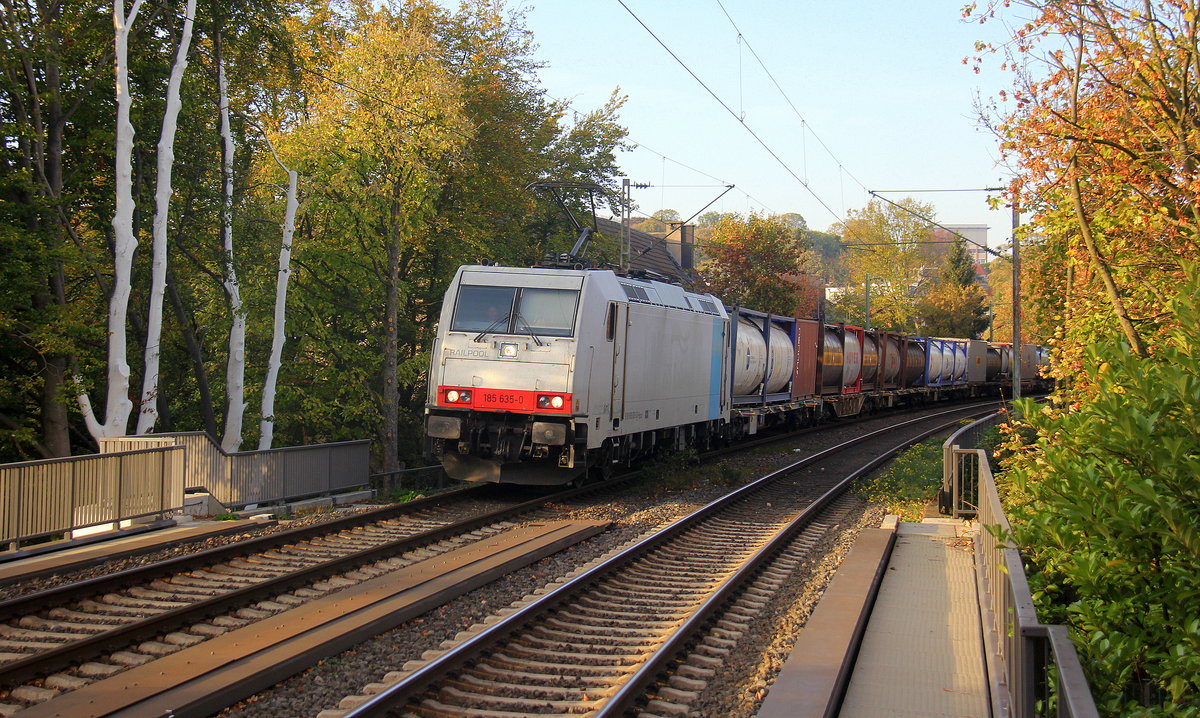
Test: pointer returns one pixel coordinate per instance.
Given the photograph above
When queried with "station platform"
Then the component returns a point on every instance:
(897, 633)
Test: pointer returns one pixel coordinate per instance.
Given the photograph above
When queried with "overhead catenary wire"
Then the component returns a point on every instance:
(723, 183)
(774, 155)
(663, 239)
(469, 137)
(743, 40)
(932, 222)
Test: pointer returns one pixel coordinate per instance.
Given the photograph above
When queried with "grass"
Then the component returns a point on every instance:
(399, 496)
(908, 483)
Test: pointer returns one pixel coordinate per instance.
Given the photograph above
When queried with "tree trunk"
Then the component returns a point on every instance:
(267, 423)
(235, 367)
(1085, 228)
(118, 407)
(391, 392)
(148, 406)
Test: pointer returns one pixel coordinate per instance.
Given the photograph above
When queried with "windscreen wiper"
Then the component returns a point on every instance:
(529, 329)
(492, 327)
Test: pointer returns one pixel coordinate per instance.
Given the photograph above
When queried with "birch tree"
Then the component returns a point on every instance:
(119, 406)
(267, 422)
(148, 407)
(235, 367)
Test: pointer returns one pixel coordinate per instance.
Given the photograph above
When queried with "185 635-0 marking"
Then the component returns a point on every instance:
(501, 399)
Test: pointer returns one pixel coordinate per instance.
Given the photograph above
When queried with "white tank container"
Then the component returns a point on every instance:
(960, 362)
(947, 361)
(852, 364)
(783, 360)
(750, 362)
(750, 358)
(935, 363)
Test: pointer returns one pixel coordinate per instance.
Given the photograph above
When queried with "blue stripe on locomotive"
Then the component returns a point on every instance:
(716, 369)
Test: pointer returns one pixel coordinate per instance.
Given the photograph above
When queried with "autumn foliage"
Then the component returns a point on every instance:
(1107, 141)
(1104, 128)
(748, 262)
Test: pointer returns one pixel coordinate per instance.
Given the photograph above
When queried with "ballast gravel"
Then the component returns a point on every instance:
(742, 682)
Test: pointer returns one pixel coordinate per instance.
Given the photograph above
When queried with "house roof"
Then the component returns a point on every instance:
(648, 252)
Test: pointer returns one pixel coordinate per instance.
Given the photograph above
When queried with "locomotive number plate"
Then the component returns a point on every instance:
(504, 400)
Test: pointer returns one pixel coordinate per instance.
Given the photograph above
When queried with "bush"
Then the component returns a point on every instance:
(1105, 506)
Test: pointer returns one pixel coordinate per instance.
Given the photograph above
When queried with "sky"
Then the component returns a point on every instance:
(871, 95)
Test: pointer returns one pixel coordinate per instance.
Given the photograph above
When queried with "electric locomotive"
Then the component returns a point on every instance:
(540, 374)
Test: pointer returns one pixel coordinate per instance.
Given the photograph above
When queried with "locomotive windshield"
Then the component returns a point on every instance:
(515, 310)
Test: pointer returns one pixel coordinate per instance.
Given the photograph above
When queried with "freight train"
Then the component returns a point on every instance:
(539, 375)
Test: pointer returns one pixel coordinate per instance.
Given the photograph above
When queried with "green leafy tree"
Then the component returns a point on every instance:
(373, 165)
(467, 205)
(794, 220)
(709, 219)
(955, 305)
(885, 250)
(55, 65)
(830, 256)
(748, 262)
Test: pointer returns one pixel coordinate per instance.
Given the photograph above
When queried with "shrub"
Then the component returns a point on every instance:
(1105, 506)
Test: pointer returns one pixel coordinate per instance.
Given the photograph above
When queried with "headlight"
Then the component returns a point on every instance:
(508, 351)
(549, 401)
(454, 396)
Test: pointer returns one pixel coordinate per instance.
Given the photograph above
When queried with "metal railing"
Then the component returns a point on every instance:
(268, 476)
(53, 497)
(1033, 668)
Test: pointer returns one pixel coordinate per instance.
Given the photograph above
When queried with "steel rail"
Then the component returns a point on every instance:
(40, 664)
(397, 694)
(49, 598)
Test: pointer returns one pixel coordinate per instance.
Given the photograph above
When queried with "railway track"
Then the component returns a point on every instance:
(63, 639)
(646, 629)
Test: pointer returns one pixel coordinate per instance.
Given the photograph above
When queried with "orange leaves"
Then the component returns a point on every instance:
(748, 260)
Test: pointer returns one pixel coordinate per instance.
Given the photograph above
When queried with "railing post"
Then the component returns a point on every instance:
(162, 485)
(120, 491)
(74, 495)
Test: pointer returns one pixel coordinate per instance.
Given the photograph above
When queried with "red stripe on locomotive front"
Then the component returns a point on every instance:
(514, 400)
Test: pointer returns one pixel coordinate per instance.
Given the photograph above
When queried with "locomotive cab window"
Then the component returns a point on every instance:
(483, 309)
(515, 310)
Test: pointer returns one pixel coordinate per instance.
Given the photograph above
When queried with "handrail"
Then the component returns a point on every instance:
(1023, 653)
(51, 497)
(268, 475)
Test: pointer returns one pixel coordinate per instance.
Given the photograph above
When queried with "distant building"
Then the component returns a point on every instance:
(978, 240)
(978, 234)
